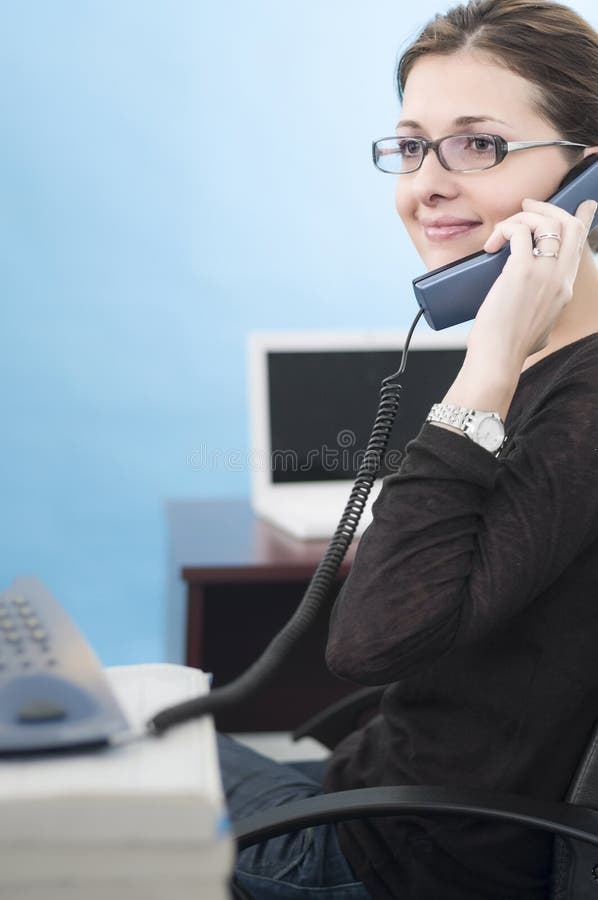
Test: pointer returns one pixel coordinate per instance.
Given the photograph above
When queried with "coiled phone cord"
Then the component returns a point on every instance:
(319, 589)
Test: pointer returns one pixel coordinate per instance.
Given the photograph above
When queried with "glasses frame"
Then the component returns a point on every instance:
(502, 148)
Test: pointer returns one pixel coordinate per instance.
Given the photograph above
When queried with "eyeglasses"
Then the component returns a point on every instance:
(456, 152)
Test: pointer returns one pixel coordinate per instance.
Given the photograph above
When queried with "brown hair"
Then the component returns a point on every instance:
(545, 42)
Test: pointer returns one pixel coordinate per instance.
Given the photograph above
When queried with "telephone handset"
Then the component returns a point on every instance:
(453, 294)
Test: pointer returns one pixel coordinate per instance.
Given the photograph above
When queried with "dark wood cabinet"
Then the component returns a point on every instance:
(234, 581)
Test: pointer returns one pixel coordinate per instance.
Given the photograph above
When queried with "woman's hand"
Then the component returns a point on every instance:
(524, 303)
(527, 299)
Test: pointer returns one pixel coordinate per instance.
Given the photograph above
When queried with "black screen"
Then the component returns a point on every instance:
(323, 405)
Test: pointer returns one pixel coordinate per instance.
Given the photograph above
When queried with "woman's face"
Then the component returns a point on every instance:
(449, 215)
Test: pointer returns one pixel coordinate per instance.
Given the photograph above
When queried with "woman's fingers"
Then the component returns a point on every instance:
(577, 226)
(585, 213)
(545, 218)
(533, 221)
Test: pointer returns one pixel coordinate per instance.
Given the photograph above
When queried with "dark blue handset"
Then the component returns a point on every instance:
(453, 294)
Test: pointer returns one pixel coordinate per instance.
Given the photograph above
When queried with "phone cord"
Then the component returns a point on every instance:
(319, 589)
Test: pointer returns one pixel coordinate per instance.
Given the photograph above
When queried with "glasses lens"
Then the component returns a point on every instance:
(468, 152)
(398, 155)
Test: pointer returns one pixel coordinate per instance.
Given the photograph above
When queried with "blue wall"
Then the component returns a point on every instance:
(174, 174)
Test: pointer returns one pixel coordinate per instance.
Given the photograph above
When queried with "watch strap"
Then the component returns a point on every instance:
(447, 414)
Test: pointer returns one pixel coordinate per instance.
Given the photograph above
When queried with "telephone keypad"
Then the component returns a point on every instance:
(22, 634)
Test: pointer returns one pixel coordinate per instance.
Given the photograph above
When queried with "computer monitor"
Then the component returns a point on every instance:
(313, 397)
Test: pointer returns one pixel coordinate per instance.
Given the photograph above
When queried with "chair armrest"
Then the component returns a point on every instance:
(564, 819)
(332, 724)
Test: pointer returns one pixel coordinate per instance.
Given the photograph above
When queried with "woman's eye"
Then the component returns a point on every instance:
(408, 147)
(482, 144)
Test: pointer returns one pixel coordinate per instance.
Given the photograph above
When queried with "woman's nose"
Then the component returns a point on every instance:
(432, 180)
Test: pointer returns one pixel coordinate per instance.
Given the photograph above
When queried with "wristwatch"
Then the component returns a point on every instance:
(484, 428)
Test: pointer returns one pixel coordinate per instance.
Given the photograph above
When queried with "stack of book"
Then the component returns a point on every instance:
(143, 819)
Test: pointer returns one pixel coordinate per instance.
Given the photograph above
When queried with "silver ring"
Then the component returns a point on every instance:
(553, 253)
(548, 234)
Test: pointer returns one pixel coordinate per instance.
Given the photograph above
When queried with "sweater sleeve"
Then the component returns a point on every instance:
(462, 541)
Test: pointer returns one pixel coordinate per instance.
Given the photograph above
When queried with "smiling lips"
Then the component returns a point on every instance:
(447, 227)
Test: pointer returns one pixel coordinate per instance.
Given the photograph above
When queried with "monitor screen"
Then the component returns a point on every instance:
(323, 405)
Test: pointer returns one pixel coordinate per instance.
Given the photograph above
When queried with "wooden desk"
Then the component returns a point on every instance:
(241, 580)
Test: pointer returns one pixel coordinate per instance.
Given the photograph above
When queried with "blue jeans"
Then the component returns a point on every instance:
(304, 865)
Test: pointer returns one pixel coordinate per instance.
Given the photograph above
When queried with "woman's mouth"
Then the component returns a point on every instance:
(446, 229)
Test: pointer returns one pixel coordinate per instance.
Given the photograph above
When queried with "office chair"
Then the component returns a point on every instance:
(574, 822)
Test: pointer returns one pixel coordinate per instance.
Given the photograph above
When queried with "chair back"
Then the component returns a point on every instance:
(575, 863)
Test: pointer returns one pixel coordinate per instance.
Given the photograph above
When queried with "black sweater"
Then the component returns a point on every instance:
(474, 595)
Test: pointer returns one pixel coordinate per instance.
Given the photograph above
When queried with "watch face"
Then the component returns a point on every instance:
(490, 433)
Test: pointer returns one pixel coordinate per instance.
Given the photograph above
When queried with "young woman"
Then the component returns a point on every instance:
(474, 592)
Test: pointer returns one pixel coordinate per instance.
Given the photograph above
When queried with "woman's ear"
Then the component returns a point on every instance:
(590, 151)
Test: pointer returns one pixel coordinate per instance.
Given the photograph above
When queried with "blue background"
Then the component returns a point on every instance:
(174, 174)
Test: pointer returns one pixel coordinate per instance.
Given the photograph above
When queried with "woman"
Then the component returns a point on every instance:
(473, 593)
